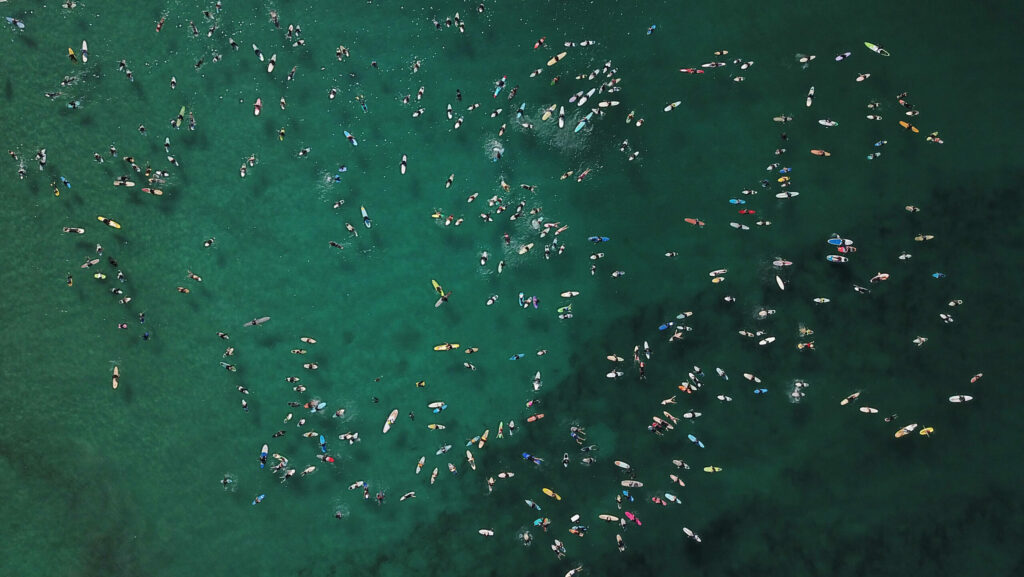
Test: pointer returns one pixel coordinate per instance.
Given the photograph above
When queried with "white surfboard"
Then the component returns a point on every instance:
(390, 420)
(960, 398)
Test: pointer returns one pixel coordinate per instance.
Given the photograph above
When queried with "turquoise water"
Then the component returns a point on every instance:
(126, 481)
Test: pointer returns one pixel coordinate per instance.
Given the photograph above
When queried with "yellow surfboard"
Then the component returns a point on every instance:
(446, 346)
(437, 287)
(710, 469)
(552, 494)
(554, 59)
(108, 222)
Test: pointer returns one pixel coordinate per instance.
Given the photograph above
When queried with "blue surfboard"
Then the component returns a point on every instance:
(584, 122)
(535, 460)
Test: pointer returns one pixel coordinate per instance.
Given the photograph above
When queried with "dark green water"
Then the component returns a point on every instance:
(126, 482)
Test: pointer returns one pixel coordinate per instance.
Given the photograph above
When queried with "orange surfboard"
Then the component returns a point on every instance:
(909, 126)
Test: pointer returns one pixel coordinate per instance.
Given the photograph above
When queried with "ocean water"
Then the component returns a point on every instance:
(127, 482)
